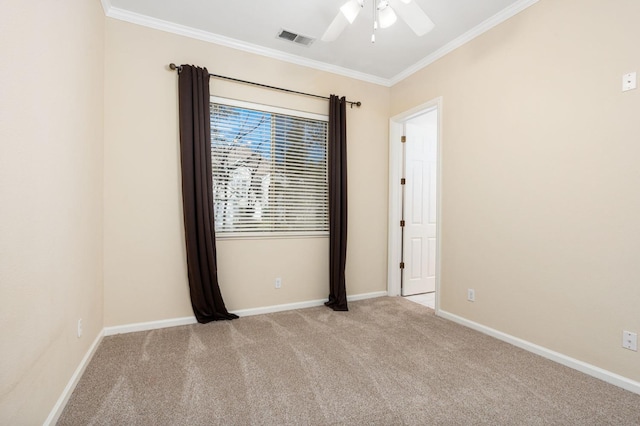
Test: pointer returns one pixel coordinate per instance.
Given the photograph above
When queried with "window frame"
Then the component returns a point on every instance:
(255, 235)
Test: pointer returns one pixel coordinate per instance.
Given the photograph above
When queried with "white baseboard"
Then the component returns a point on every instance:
(278, 308)
(154, 325)
(597, 372)
(591, 370)
(302, 305)
(55, 413)
(150, 325)
(364, 296)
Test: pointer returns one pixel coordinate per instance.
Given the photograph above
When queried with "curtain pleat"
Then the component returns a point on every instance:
(337, 203)
(197, 195)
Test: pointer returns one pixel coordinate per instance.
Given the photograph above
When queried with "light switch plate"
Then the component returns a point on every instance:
(629, 81)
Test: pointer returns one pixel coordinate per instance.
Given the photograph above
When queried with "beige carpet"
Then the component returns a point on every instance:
(387, 361)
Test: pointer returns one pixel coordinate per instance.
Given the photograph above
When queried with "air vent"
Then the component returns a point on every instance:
(295, 38)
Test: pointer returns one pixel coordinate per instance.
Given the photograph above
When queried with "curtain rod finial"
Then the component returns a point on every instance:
(175, 67)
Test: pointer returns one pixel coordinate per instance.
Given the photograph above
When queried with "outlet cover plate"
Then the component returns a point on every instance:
(629, 81)
(471, 295)
(630, 340)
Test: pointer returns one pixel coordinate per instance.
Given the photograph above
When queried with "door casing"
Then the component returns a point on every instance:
(396, 160)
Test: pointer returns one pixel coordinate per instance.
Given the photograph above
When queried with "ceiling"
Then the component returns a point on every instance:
(253, 25)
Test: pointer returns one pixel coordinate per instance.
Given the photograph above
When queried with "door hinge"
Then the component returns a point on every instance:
(401, 265)
(403, 139)
(403, 181)
(402, 223)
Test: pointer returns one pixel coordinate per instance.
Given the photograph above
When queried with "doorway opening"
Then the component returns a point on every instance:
(414, 204)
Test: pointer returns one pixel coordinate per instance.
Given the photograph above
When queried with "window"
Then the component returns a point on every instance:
(269, 170)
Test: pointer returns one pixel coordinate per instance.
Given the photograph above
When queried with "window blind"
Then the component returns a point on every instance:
(269, 170)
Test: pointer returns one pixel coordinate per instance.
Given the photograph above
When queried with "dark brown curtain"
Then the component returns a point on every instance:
(197, 195)
(337, 203)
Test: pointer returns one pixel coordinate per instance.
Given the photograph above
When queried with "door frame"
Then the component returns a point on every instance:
(396, 162)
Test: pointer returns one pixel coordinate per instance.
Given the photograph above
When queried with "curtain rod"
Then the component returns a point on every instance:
(222, 77)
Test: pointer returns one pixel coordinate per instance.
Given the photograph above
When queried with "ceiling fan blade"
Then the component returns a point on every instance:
(413, 15)
(336, 27)
(351, 9)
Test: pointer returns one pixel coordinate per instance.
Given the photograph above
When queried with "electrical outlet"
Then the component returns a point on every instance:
(471, 295)
(630, 340)
(278, 282)
(629, 81)
(80, 327)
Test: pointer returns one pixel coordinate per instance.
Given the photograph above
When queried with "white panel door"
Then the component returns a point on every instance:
(419, 245)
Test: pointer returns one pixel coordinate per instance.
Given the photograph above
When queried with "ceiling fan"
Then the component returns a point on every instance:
(385, 13)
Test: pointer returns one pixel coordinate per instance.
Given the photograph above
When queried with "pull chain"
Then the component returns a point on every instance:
(375, 21)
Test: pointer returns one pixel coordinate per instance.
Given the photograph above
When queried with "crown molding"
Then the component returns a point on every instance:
(479, 29)
(106, 6)
(170, 27)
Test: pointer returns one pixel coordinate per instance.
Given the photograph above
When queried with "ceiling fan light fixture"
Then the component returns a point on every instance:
(387, 17)
(385, 14)
(351, 9)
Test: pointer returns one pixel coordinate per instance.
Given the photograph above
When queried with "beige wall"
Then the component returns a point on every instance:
(51, 140)
(541, 177)
(145, 267)
(540, 183)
